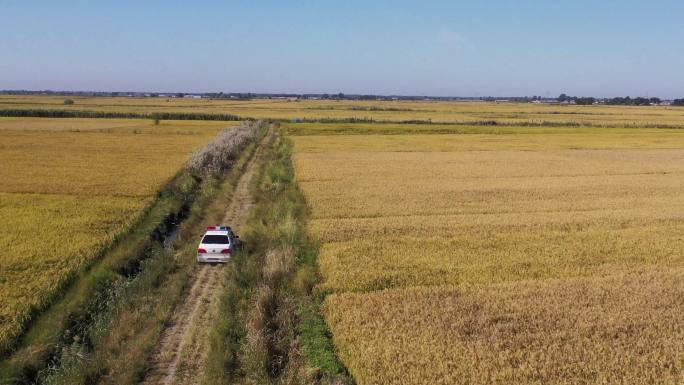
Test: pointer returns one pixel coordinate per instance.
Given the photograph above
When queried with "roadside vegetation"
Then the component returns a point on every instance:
(271, 330)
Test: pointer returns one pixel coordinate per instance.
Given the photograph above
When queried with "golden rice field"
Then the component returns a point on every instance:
(531, 256)
(397, 111)
(69, 187)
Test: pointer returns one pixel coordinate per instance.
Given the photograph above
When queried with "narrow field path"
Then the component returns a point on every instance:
(180, 354)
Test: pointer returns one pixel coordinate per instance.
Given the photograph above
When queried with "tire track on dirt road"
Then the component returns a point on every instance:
(180, 354)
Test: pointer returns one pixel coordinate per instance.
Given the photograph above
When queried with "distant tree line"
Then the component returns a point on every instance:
(563, 98)
(618, 101)
(585, 100)
(518, 99)
(40, 113)
(237, 95)
(582, 100)
(627, 101)
(60, 93)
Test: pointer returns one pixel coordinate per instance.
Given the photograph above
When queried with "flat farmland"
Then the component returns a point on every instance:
(461, 113)
(69, 188)
(530, 256)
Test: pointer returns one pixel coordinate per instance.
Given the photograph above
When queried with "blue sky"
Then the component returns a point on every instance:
(473, 48)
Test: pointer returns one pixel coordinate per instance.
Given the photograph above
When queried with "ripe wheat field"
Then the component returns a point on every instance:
(526, 256)
(481, 244)
(69, 188)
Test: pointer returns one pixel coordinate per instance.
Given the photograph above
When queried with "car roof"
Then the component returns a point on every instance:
(217, 232)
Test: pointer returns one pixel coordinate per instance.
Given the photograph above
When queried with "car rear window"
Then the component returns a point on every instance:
(215, 239)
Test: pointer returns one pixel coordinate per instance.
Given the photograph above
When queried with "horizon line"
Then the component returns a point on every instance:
(341, 95)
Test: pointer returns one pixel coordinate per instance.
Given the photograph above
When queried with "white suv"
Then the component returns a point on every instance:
(217, 244)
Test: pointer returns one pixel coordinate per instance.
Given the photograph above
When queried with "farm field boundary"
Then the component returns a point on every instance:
(80, 191)
(272, 330)
(348, 111)
(116, 115)
(87, 317)
(179, 353)
(440, 126)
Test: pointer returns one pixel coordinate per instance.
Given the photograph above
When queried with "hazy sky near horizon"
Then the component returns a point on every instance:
(445, 48)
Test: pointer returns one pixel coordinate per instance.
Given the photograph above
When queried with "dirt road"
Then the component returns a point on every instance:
(179, 356)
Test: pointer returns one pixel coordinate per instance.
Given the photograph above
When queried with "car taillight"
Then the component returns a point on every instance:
(225, 251)
(201, 251)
